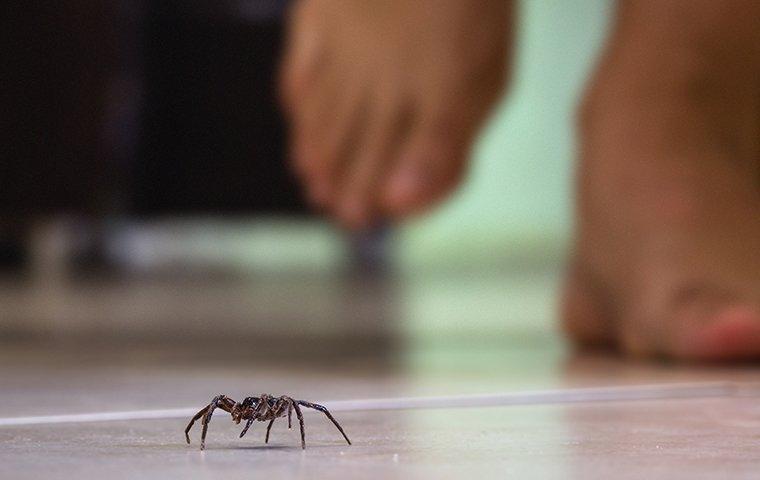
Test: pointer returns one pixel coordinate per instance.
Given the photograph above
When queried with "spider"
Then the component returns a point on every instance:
(265, 407)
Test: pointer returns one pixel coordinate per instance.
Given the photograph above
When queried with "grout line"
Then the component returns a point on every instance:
(540, 397)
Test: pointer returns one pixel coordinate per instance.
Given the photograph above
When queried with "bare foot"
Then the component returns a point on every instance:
(667, 259)
(385, 97)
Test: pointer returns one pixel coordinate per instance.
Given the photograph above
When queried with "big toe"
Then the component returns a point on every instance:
(697, 324)
(729, 332)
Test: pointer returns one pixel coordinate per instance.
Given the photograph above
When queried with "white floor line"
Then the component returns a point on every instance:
(542, 397)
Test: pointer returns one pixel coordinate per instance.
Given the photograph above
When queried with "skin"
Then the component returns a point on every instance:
(385, 98)
(665, 260)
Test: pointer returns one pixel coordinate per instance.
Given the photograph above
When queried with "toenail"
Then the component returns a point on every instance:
(404, 186)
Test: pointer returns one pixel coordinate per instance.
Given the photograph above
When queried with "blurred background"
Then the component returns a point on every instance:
(145, 200)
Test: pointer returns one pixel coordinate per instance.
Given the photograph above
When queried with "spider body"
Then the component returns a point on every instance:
(262, 408)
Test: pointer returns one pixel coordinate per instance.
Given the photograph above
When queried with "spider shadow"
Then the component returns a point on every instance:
(261, 447)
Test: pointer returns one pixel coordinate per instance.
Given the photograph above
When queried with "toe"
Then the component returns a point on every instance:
(585, 315)
(303, 56)
(336, 141)
(429, 167)
(309, 120)
(356, 207)
(731, 332)
(702, 323)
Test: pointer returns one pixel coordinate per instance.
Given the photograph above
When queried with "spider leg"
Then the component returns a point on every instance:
(300, 422)
(247, 426)
(290, 414)
(269, 427)
(263, 406)
(207, 417)
(324, 410)
(249, 402)
(193, 420)
(276, 410)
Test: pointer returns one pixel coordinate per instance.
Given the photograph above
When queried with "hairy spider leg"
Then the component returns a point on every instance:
(193, 420)
(276, 411)
(218, 401)
(324, 410)
(247, 426)
(248, 402)
(300, 422)
(269, 427)
(263, 408)
(290, 413)
(259, 411)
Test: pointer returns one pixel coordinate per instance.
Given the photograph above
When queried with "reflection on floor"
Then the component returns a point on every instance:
(340, 309)
(134, 344)
(694, 438)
